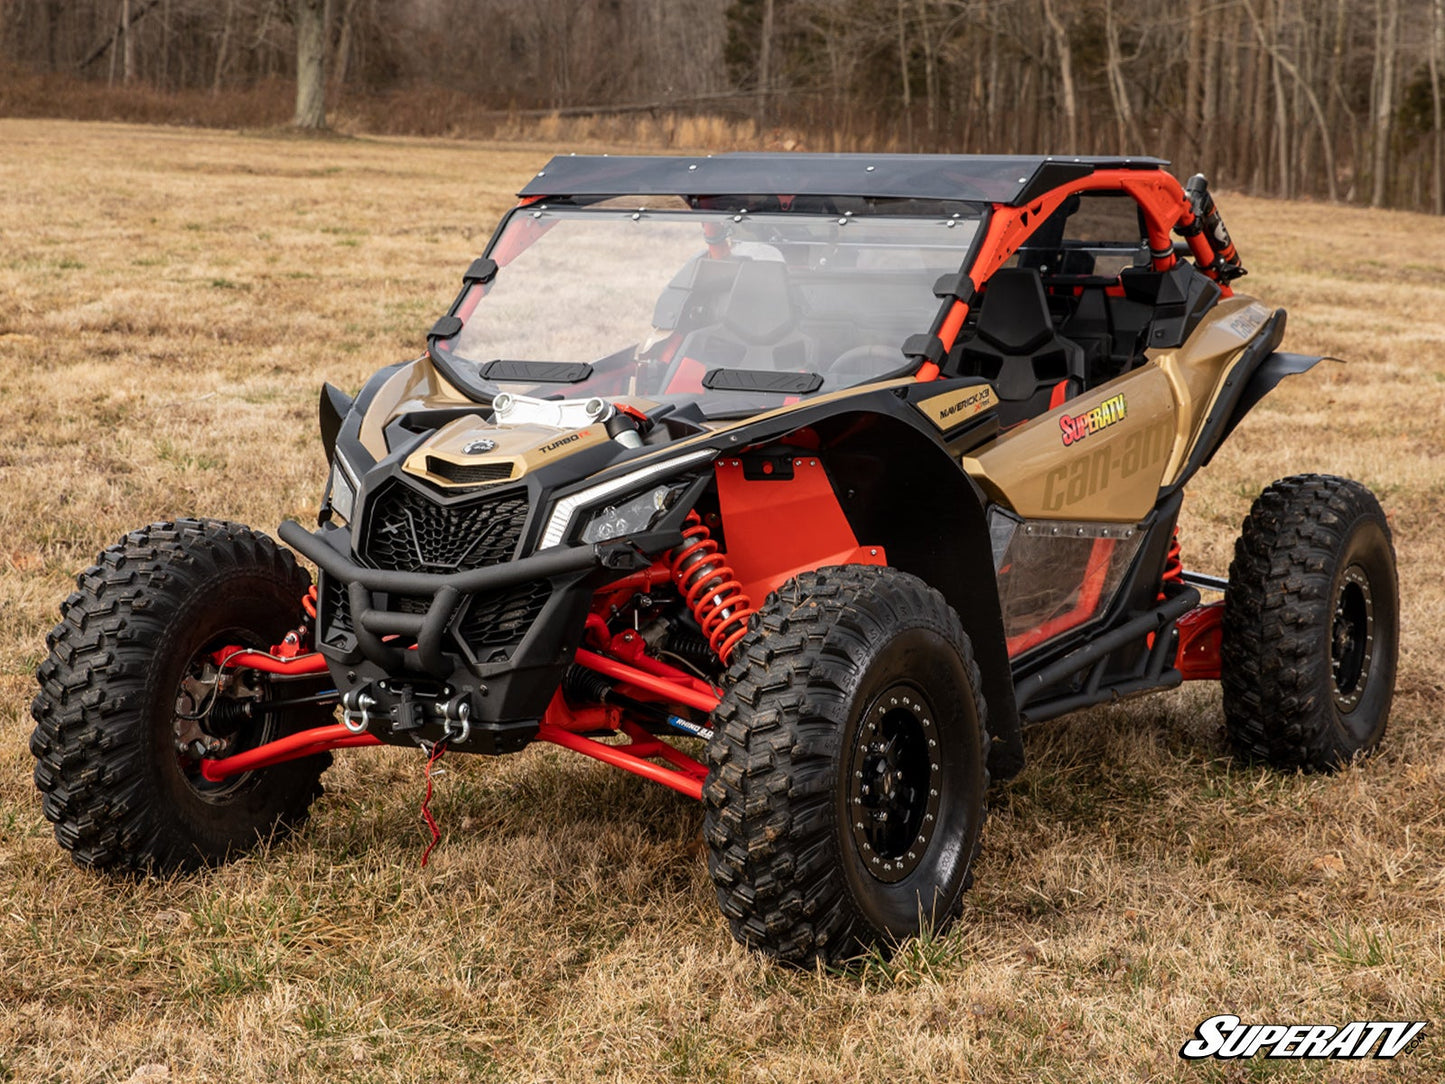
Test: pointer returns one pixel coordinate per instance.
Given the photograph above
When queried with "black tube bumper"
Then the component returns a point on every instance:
(510, 691)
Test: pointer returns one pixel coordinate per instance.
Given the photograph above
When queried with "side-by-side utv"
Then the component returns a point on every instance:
(795, 483)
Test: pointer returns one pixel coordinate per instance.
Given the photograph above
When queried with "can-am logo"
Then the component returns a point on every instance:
(1225, 1036)
(1078, 426)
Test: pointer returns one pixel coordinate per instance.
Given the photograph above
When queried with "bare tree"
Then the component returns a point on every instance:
(310, 64)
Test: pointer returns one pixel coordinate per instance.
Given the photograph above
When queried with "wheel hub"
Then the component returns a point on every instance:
(1352, 638)
(893, 784)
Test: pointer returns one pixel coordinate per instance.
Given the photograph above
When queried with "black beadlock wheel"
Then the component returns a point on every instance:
(124, 696)
(1311, 625)
(847, 771)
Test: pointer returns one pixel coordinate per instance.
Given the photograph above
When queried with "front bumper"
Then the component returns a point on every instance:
(506, 690)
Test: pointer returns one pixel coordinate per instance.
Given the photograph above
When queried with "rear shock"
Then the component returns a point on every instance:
(1174, 562)
(710, 587)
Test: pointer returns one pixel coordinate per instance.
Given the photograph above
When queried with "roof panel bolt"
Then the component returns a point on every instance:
(869, 169)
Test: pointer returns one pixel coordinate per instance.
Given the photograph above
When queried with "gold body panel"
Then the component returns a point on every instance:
(1103, 456)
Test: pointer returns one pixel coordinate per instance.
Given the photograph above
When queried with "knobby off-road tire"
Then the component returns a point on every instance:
(1311, 625)
(854, 694)
(120, 794)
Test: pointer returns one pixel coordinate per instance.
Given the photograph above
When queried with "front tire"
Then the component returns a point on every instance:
(1311, 625)
(120, 693)
(845, 794)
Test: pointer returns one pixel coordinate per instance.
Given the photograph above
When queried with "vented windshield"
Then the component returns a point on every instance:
(738, 311)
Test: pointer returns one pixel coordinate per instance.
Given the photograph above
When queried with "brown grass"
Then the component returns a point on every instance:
(170, 301)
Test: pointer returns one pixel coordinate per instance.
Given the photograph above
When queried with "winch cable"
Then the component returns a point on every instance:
(436, 754)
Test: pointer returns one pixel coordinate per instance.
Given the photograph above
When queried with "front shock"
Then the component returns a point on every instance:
(710, 587)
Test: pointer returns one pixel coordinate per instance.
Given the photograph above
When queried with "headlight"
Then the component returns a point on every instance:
(630, 517)
(566, 509)
(343, 489)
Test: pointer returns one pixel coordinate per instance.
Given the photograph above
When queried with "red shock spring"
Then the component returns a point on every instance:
(710, 588)
(1174, 561)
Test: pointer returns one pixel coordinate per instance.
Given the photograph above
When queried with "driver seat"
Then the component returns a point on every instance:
(1015, 347)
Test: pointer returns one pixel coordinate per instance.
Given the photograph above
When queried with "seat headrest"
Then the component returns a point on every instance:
(759, 308)
(1015, 313)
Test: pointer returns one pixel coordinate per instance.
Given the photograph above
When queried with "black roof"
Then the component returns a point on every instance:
(1008, 179)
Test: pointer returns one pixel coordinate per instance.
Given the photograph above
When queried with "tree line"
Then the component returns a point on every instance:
(1330, 99)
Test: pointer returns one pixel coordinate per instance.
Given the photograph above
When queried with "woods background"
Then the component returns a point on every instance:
(1333, 99)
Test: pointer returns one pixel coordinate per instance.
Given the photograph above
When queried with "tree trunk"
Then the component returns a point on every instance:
(765, 63)
(221, 49)
(310, 64)
(1387, 24)
(1066, 76)
(343, 44)
(903, 77)
(1193, 46)
(128, 40)
(1437, 53)
(1209, 103)
(1130, 141)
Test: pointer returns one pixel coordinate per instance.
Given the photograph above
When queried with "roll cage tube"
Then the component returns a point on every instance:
(1167, 210)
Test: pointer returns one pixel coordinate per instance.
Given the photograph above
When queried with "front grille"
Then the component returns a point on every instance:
(468, 473)
(496, 621)
(407, 532)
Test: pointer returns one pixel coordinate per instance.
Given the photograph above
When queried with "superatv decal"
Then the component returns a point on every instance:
(1082, 477)
(1226, 1036)
(946, 411)
(1078, 426)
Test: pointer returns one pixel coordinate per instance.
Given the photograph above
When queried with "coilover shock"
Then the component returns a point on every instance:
(1174, 562)
(710, 587)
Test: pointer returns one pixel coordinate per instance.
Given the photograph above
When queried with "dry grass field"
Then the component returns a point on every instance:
(169, 303)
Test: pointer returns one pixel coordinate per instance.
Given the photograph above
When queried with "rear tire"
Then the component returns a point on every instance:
(1311, 625)
(848, 768)
(108, 716)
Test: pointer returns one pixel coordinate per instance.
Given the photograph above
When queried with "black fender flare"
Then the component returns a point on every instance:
(900, 488)
(1259, 370)
(1274, 368)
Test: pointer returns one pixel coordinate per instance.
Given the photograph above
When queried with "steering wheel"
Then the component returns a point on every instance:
(887, 358)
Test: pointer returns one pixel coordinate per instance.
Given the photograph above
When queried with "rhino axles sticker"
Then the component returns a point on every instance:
(1078, 426)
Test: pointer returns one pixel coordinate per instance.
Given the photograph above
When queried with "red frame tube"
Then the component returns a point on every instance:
(292, 747)
(659, 686)
(685, 778)
(311, 663)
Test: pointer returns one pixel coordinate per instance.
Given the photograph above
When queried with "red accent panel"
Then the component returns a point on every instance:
(1059, 394)
(688, 378)
(1090, 592)
(291, 747)
(777, 529)
(1200, 633)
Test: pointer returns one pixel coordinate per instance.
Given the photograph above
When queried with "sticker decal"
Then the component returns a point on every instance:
(1247, 321)
(946, 411)
(1078, 426)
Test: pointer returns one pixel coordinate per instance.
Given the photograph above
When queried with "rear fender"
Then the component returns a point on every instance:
(901, 491)
(1274, 368)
